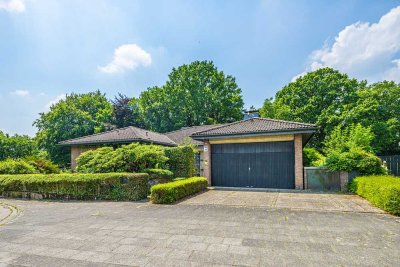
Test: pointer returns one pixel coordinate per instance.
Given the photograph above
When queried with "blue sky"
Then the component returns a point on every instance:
(52, 48)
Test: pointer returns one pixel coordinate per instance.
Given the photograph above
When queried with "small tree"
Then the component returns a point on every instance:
(349, 149)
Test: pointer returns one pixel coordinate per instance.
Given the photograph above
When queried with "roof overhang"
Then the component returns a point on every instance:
(111, 142)
(280, 132)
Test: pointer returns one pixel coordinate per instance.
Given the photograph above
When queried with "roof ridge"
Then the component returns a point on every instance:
(186, 128)
(223, 125)
(294, 122)
(109, 131)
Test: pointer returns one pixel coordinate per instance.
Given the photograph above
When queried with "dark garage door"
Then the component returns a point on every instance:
(258, 165)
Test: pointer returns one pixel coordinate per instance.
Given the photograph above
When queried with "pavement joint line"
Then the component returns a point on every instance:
(14, 212)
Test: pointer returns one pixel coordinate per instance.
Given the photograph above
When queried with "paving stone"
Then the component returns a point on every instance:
(118, 233)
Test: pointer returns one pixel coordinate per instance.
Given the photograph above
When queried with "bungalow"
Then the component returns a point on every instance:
(257, 152)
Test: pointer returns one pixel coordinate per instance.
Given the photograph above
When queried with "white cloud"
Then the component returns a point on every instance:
(364, 50)
(21, 93)
(55, 101)
(127, 57)
(16, 6)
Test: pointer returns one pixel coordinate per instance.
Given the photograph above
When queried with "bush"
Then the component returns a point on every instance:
(181, 160)
(311, 157)
(128, 158)
(381, 191)
(44, 166)
(16, 166)
(171, 192)
(159, 174)
(115, 186)
(355, 160)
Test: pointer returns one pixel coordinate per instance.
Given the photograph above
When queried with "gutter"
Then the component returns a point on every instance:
(219, 136)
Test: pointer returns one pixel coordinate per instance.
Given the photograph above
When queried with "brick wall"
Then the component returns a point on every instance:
(298, 161)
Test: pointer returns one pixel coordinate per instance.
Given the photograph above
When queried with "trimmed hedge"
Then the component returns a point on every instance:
(159, 174)
(113, 186)
(181, 160)
(171, 192)
(381, 191)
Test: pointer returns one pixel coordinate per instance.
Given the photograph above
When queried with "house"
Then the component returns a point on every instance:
(257, 152)
(133, 134)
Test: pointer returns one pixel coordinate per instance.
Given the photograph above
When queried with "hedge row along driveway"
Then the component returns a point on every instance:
(111, 186)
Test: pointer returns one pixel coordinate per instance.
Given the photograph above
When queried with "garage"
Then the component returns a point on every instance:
(255, 153)
(253, 165)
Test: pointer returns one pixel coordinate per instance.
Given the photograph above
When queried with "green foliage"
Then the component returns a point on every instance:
(170, 192)
(267, 110)
(194, 94)
(116, 186)
(17, 146)
(42, 165)
(350, 149)
(344, 139)
(159, 174)
(181, 160)
(311, 157)
(16, 166)
(77, 115)
(128, 158)
(381, 191)
(329, 98)
(378, 106)
(318, 97)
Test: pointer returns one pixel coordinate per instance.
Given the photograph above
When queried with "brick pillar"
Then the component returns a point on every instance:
(207, 161)
(298, 162)
(75, 152)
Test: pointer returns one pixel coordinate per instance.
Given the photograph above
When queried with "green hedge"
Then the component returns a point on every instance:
(181, 160)
(171, 192)
(381, 191)
(113, 186)
(159, 174)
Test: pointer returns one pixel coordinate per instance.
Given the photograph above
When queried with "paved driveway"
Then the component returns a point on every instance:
(294, 201)
(142, 234)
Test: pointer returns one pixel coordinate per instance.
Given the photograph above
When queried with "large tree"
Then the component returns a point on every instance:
(17, 146)
(77, 115)
(194, 94)
(378, 107)
(125, 112)
(318, 97)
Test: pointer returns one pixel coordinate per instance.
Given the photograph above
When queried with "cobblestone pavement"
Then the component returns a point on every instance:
(141, 234)
(293, 201)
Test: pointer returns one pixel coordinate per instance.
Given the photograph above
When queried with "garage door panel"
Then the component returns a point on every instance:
(258, 165)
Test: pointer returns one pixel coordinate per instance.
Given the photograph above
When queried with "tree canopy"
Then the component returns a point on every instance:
(195, 94)
(17, 146)
(77, 115)
(329, 99)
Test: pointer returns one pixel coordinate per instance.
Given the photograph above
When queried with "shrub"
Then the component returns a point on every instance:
(44, 166)
(159, 174)
(181, 160)
(128, 158)
(115, 186)
(311, 157)
(350, 149)
(381, 191)
(16, 166)
(171, 192)
(355, 160)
